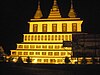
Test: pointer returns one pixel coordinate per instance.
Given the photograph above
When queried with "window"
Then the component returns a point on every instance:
(67, 43)
(31, 53)
(44, 28)
(25, 38)
(19, 53)
(56, 53)
(63, 53)
(38, 60)
(48, 37)
(43, 53)
(32, 46)
(44, 46)
(69, 53)
(50, 53)
(61, 46)
(38, 46)
(25, 53)
(26, 46)
(54, 27)
(32, 37)
(28, 37)
(35, 28)
(59, 60)
(45, 37)
(41, 37)
(38, 37)
(52, 60)
(62, 37)
(64, 27)
(70, 37)
(57, 46)
(35, 37)
(52, 37)
(45, 60)
(37, 53)
(59, 37)
(20, 46)
(50, 46)
(13, 53)
(55, 37)
(74, 27)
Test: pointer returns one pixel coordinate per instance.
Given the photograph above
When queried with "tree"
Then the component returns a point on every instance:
(67, 60)
(2, 59)
(28, 60)
(19, 60)
(2, 55)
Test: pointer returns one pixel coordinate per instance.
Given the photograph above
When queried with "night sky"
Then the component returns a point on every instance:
(16, 13)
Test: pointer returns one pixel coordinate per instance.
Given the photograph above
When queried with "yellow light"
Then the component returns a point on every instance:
(35, 61)
(14, 60)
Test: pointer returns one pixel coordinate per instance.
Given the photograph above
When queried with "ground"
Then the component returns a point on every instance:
(40, 69)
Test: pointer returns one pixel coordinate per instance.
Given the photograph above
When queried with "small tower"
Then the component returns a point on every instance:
(54, 13)
(72, 13)
(38, 13)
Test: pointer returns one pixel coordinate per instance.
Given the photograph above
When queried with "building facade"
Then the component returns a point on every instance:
(87, 45)
(46, 37)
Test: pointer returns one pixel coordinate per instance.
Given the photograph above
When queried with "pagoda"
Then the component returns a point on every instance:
(48, 39)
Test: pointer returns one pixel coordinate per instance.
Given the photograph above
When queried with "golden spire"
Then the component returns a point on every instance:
(54, 13)
(38, 13)
(71, 13)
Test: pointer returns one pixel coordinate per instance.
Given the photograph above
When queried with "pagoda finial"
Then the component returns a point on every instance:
(71, 4)
(55, 7)
(54, 13)
(38, 13)
(72, 13)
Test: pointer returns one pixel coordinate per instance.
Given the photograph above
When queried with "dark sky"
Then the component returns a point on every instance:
(16, 13)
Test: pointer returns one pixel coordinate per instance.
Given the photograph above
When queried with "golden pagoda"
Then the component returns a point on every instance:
(45, 41)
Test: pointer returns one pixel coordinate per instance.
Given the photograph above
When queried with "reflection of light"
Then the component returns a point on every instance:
(14, 60)
(7, 57)
(35, 61)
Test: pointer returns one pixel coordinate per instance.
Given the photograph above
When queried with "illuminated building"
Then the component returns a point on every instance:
(44, 42)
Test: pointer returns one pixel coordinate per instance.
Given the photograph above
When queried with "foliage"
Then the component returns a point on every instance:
(28, 60)
(19, 60)
(67, 60)
(2, 59)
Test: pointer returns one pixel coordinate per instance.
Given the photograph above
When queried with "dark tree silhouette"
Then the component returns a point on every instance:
(67, 60)
(19, 60)
(28, 60)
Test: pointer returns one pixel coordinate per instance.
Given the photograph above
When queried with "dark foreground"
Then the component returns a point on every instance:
(40, 69)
